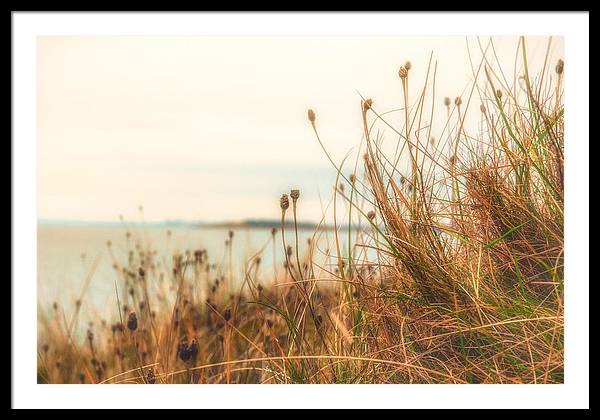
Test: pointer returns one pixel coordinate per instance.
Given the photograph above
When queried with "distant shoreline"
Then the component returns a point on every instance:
(244, 224)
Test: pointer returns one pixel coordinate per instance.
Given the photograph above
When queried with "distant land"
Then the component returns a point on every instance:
(245, 224)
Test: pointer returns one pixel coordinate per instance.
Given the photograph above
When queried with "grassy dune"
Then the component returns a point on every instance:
(453, 272)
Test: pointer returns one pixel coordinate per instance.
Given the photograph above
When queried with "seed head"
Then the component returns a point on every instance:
(150, 377)
(183, 350)
(311, 116)
(371, 214)
(295, 194)
(352, 178)
(457, 101)
(284, 202)
(193, 349)
(499, 94)
(403, 72)
(407, 65)
(560, 66)
(367, 104)
(227, 314)
(447, 101)
(482, 108)
(117, 327)
(132, 322)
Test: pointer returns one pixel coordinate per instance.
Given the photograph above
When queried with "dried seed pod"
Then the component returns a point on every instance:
(284, 202)
(295, 194)
(150, 377)
(367, 104)
(371, 214)
(458, 101)
(193, 350)
(447, 101)
(227, 314)
(407, 65)
(117, 327)
(403, 72)
(183, 350)
(560, 66)
(311, 116)
(132, 322)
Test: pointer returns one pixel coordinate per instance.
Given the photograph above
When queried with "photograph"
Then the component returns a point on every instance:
(284, 208)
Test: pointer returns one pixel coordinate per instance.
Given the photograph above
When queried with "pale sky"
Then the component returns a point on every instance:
(215, 128)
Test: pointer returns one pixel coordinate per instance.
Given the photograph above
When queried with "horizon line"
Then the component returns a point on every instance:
(255, 222)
